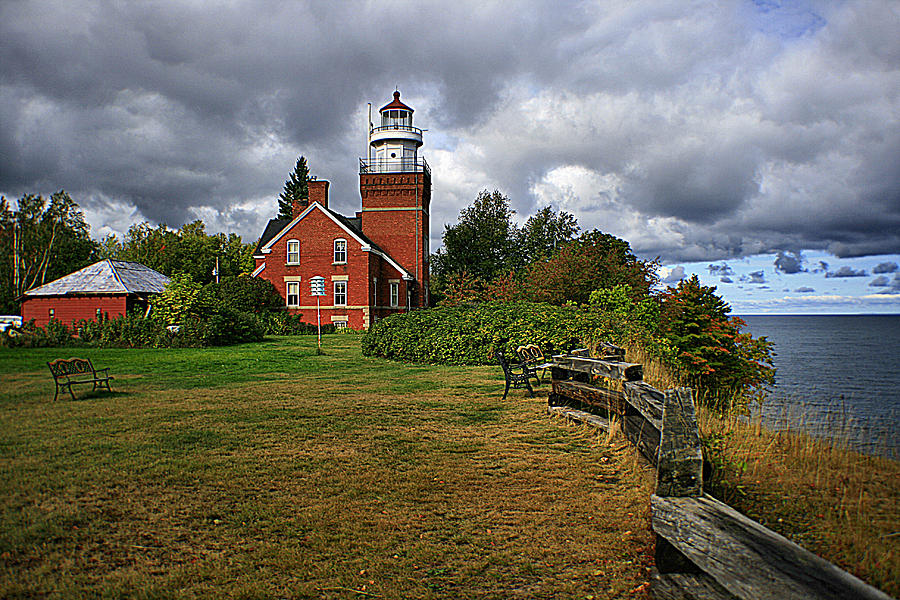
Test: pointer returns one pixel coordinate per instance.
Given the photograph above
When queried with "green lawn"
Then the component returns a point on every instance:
(266, 471)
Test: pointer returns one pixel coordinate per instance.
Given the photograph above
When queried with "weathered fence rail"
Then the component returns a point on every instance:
(704, 548)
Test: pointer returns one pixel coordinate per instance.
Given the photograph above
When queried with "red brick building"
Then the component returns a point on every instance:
(108, 288)
(374, 264)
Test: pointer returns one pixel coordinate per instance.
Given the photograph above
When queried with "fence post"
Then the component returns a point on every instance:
(680, 465)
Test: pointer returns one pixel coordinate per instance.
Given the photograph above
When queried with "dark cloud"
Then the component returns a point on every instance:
(885, 267)
(821, 267)
(754, 277)
(698, 133)
(847, 272)
(804, 290)
(723, 270)
(789, 262)
(726, 279)
(880, 281)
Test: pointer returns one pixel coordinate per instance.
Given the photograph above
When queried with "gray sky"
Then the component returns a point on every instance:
(697, 131)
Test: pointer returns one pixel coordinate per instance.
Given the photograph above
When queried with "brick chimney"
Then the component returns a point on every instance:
(298, 207)
(318, 191)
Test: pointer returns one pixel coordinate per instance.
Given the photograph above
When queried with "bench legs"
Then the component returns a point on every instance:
(65, 385)
(527, 385)
(97, 384)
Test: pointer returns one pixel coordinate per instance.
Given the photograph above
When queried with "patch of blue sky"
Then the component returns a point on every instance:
(441, 140)
(787, 20)
(812, 282)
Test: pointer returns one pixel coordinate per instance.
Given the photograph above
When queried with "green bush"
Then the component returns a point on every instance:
(469, 334)
(229, 326)
(722, 364)
(284, 323)
(30, 336)
(246, 294)
(182, 299)
(225, 327)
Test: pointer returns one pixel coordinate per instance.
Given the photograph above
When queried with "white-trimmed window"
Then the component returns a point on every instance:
(340, 324)
(293, 293)
(395, 293)
(374, 291)
(340, 293)
(340, 250)
(293, 252)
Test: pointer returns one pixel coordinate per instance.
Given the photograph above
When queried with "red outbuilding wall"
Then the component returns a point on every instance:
(71, 308)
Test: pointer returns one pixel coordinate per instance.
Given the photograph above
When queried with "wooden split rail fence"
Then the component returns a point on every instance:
(704, 548)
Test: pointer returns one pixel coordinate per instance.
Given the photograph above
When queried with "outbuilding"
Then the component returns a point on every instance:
(108, 288)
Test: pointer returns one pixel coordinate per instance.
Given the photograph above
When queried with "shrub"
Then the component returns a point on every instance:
(468, 334)
(716, 359)
(182, 298)
(31, 336)
(246, 294)
(229, 326)
(284, 323)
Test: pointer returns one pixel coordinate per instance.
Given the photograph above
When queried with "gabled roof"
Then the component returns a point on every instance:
(106, 277)
(272, 228)
(277, 228)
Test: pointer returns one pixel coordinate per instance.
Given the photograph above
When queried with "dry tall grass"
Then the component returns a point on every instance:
(837, 503)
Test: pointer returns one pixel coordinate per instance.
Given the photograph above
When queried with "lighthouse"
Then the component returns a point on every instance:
(395, 187)
(374, 264)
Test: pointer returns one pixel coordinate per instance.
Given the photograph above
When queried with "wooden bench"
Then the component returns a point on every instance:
(77, 371)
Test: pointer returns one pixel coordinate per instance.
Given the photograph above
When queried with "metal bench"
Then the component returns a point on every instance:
(513, 379)
(77, 371)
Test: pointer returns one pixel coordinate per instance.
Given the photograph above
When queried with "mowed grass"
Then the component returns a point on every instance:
(266, 471)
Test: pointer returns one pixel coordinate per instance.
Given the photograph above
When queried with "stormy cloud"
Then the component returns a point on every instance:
(723, 270)
(673, 276)
(885, 267)
(754, 277)
(697, 132)
(789, 262)
(847, 272)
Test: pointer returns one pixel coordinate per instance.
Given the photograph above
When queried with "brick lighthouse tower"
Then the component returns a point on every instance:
(395, 186)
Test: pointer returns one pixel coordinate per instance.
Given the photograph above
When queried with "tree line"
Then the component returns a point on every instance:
(486, 257)
(43, 239)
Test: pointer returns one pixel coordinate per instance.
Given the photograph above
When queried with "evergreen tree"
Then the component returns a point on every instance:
(296, 189)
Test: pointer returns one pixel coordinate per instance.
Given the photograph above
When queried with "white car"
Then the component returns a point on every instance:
(10, 321)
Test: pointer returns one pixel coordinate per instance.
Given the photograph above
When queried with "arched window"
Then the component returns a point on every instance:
(293, 252)
(340, 250)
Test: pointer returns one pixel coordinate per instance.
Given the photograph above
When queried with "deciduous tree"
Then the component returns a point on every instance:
(593, 261)
(482, 243)
(42, 241)
(544, 233)
(188, 250)
(717, 359)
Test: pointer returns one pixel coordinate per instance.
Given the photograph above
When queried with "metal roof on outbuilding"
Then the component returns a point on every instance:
(106, 277)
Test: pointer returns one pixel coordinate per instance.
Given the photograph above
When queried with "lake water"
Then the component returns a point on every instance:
(838, 377)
